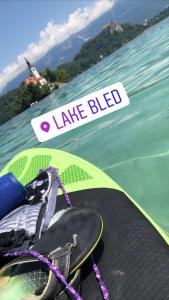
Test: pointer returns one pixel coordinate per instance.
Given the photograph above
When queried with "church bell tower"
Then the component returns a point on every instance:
(35, 73)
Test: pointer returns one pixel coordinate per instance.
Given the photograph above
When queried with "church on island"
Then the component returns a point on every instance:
(35, 77)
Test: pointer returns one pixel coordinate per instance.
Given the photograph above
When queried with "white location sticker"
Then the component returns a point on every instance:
(80, 112)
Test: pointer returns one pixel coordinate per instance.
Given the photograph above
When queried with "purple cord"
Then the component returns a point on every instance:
(63, 189)
(95, 267)
(54, 269)
(101, 283)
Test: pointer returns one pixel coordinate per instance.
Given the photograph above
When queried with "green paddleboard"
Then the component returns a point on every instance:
(76, 173)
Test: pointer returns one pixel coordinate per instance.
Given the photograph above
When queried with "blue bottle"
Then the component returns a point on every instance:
(12, 194)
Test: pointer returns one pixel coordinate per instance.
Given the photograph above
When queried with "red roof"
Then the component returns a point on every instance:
(31, 80)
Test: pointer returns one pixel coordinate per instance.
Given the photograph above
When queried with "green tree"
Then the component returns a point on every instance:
(49, 75)
(62, 75)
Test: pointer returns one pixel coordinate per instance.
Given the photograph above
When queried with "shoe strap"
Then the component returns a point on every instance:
(60, 258)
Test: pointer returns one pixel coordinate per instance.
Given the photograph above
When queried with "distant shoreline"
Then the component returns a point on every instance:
(60, 84)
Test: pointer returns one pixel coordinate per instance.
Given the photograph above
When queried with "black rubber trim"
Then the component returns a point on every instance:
(133, 257)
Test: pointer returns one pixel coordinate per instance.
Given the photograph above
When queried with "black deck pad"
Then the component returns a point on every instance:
(133, 258)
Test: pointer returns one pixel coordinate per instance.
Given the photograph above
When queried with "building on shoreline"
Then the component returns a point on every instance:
(113, 26)
(35, 77)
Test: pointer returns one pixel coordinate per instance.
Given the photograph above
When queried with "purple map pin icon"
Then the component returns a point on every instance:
(45, 126)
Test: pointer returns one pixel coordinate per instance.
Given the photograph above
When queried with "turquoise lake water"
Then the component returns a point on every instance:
(131, 145)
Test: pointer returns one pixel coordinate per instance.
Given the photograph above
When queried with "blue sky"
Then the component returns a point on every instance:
(22, 21)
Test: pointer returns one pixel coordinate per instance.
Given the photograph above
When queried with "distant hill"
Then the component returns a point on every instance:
(124, 11)
(112, 37)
